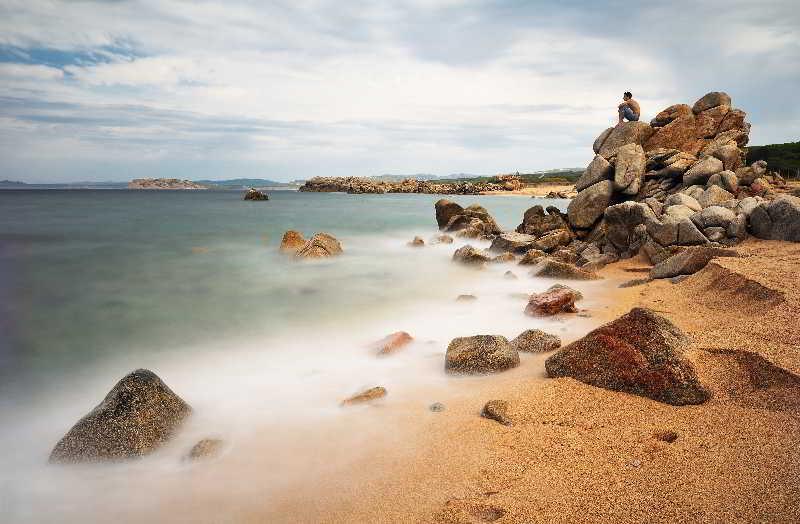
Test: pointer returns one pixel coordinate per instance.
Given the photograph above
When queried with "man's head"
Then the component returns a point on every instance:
(627, 95)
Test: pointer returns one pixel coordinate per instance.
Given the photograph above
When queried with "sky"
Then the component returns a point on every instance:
(96, 90)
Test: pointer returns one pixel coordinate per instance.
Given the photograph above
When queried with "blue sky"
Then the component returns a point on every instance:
(118, 89)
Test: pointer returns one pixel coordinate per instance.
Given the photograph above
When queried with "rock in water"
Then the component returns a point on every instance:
(547, 267)
(588, 206)
(512, 242)
(254, 194)
(365, 396)
(445, 210)
(292, 241)
(417, 242)
(138, 414)
(536, 341)
(480, 354)
(470, 256)
(496, 410)
(321, 245)
(557, 299)
(206, 448)
(392, 343)
(640, 353)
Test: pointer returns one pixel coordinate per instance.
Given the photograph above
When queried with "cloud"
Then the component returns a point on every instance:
(368, 87)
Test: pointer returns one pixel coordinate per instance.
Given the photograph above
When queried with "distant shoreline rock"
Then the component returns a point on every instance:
(163, 183)
(359, 185)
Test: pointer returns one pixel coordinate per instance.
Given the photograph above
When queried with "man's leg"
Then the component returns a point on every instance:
(620, 112)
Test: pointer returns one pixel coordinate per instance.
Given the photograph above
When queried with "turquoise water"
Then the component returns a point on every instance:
(94, 284)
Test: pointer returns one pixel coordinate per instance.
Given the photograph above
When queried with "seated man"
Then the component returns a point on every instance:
(628, 109)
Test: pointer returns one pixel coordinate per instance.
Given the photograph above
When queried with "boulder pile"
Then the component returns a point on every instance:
(359, 185)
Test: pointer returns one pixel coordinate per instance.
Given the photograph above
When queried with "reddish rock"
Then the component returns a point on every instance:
(393, 342)
(557, 299)
(292, 241)
(641, 353)
(321, 245)
(365, 396)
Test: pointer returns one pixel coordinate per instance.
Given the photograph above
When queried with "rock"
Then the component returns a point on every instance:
(640, 353)
(442, 239)
(139, 414)
(599, 169)
(689, 261)
(655, 252)
(663, 231)
(512, 242)
(392, 343)
(713, 196)
(206, 448)
(726, 180)
(688, 234)
(566, 255)
(711, 100)
(470, 256)
(496, 410)
(679, 211)
(685, 133)
(480, 354)
(589, 205)
(321, 245)
(626, 133)
(598, 142)
(466, 298)
(671, 113)
(702, 170)
(553, 239)
(436, 407)
(531, 256)
(655, 206)
(537, 223)
(445, 211)
(683, 199)
(365, 396)
(254, 194)
(292, 241)
(715, 234)
(503, 258)
(778, 219)
(536, 341)
(731, 156)
(510, 275)
(737, 228)
(629, 169)
(716, 216)
(550, 268)
(473, 217)
(595, 263)
(557, 299)
(163, 183)
(734, 121)
(694, 192)
(417, 242)
(621, 219)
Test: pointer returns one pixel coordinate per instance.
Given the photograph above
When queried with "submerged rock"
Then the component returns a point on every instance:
(321, 245)
(206, 448)
(292, 241)
(536, 341)
(392, 343)
(640, 353)
(254, 194)
(365, 396)
(547, 267)
(480, 354)
(557, 299)
(417, 242)
(470, 256)
(139, 414)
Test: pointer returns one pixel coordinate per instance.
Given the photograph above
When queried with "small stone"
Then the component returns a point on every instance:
(206, 448)
(669, 436)
(466, 298)
(437, 407)
(365, 396)
(392, 343)
(417, 242)
(510, 275)
(496, 410)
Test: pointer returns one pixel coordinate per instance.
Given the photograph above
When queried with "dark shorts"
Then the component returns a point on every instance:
(627, 113)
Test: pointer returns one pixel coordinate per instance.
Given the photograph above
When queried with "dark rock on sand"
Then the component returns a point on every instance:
(536, 341)
(496, 410)
(557, 299)
(139, 414)
(640, 353)
(547, 267)
(437, 407)
(365, 396)
(480, 354)
(689, 261)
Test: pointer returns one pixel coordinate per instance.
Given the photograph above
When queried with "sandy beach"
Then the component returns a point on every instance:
(537, 190)
(576, 453)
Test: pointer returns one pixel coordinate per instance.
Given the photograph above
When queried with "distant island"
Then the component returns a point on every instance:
(163, 183)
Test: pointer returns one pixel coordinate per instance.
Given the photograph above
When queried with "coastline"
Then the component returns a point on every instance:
(577, 452)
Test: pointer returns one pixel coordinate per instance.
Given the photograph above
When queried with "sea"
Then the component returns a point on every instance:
(191, 285)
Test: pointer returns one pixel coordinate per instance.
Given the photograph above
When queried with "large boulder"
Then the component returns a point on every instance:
(557, 299)
(711, 100)
(663, 230)
(474, 217)
(589, 205)
(623, 134)
(536, 222)
(598, 142)
(292, 241)
(702, 170)
(731, 156)
(138, 415)
(445, 210)
(714, 216)
(727, 180)
(321, 245)
(621, 219)
(550, 268)
(714, 196)
(641, 353)
(599, 169)
(471, 256)
(255, 194)
(689, 261)
(629, 169)
(480, 354)
(689, 234)
(553, 239)
(778, 219)
(512, 242)
(683, 199)
(671, 113)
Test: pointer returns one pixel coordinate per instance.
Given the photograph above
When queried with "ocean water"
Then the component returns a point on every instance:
(94, 284)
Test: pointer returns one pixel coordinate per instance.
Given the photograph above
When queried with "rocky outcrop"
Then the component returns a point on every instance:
(163, 183)
(641, 353)
(358, 185)
(138, 415)
(778, 219)
(536, 341)
(538, 223)
(557, 299)
(254, 194)
(321, 245)
(689, 261)
(480, 354)
(472, 222)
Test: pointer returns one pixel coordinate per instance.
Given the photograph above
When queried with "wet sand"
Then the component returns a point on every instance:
(577, 453)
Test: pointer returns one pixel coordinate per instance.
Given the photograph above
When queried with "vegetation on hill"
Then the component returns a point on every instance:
(783, 158)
